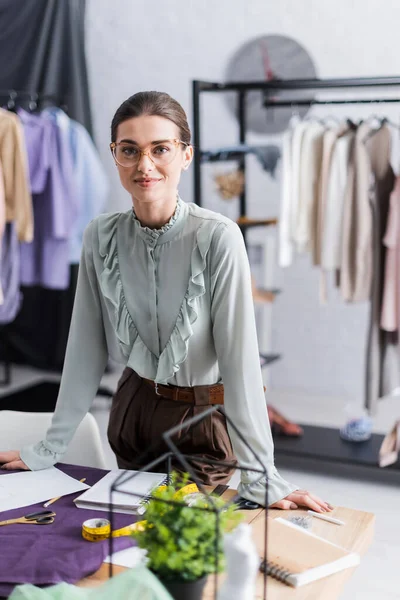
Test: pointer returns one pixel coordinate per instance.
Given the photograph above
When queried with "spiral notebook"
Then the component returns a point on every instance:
(139, 489)
(296, 556)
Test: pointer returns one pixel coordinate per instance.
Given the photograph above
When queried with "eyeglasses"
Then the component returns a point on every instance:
(162, 154)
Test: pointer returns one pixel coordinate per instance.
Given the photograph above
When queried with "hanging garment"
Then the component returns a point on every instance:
(15, 175)
(328, 144)
(310, 165)
(357, 231)
(297, 150)
(286, 249)
(336, 188)
(10, 275)
(45, 261)
(382, 370)
(2, 220)
(390, 318)
(91, 184)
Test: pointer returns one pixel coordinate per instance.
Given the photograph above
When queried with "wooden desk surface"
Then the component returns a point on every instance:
(356, 535)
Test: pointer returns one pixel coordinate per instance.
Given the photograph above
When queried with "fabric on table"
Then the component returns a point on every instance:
(48, 554)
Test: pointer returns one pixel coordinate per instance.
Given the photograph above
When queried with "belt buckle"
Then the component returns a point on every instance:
(156, 389)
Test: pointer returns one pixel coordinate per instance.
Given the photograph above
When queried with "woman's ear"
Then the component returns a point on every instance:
(188, 157)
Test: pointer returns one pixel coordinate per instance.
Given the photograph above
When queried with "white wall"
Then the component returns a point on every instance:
(163, 45)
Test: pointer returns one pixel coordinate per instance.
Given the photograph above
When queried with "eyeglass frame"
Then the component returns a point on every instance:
(113, 146)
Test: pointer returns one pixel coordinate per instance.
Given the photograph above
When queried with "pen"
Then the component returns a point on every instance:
(325, 518)
(46, 504)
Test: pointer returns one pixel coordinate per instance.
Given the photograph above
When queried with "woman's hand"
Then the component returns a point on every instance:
(11, 461)
(300, 498)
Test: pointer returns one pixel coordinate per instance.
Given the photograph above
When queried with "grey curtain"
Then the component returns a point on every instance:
(42, 50)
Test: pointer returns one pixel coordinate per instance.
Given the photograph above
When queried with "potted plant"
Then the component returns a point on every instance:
(180, 539)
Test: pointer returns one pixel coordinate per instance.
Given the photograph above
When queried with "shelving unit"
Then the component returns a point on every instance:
(320, 447)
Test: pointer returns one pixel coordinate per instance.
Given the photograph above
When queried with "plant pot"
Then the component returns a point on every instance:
(186, 590)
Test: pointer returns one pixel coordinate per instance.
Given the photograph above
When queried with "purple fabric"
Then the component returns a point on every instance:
(45, 261)
(48, 554)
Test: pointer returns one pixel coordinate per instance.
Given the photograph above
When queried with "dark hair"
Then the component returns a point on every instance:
(152, 103)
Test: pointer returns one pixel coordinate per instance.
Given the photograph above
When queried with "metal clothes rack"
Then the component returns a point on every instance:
(320, 448)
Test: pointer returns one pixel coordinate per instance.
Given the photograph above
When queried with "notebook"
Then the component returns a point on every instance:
(139, 488)
(296, 556)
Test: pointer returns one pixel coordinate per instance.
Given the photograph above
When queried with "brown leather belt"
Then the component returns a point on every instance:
(214, 393)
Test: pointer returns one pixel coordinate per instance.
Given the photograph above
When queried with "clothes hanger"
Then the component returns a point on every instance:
(33, 102)
(11, 105)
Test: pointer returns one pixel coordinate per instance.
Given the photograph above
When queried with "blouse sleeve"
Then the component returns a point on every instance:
(85, 361)
(235, 339)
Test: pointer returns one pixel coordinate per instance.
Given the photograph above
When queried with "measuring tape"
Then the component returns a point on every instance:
(97, 530)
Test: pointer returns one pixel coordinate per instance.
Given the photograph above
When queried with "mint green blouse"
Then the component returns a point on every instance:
(174, 304)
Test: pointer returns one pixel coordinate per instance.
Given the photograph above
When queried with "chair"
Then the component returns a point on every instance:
(23, 428)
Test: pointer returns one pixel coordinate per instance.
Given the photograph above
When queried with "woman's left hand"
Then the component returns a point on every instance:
(303, 498)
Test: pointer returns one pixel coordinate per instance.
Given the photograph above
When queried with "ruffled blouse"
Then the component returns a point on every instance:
(175, 305)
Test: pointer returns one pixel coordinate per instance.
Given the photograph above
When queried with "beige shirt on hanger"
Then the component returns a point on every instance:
(356, 258)
(18, 199)
(333, 215)
(310, 166)
(329, 141)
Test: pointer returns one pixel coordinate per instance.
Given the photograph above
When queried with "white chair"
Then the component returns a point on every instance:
(23, 428)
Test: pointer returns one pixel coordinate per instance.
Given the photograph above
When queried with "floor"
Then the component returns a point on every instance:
(377, 577)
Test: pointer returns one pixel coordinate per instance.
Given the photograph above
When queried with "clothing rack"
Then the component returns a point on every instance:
(320, 448)
(33, 97)
(46, 391)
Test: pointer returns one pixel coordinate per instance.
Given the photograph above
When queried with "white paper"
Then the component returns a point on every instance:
(30, 487)
(130, 557)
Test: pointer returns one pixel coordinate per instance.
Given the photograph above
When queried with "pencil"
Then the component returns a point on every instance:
(326, 518)
(46, 504)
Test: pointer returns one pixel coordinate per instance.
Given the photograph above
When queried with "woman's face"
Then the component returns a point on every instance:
(146, 181)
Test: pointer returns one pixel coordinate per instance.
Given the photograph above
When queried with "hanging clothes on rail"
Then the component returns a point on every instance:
(16, 212)
(382, 366)
(89, 176)
(45, 260)
(340, 216)
(13, 158)
(311, 158)
(332, 223)
(42, 49)
(390, 318)
(68, 189)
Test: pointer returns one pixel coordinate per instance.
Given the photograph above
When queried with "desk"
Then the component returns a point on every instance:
(356, 536)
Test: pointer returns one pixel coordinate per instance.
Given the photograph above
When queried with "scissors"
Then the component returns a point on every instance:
(45, 517)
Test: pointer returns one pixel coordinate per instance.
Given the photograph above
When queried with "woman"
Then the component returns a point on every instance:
(165, 289)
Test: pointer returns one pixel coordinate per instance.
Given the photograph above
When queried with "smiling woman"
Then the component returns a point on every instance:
(165, 289)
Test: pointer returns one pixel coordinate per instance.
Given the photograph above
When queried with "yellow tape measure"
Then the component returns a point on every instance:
(97, 530)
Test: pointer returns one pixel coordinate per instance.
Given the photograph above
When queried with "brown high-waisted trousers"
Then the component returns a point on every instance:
(139, 417)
